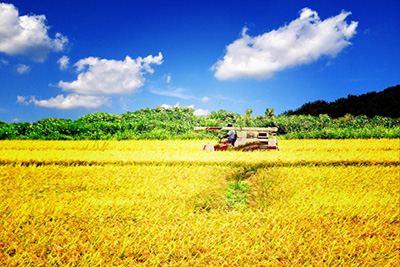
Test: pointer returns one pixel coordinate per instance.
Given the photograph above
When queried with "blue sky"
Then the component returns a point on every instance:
(69, 58)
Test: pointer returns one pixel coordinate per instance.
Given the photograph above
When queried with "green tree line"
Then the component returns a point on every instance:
(385, 103)
(178, 123)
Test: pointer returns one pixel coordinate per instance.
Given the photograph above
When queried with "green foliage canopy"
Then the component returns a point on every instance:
(178, 123)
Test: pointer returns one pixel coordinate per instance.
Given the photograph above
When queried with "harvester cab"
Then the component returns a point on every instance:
(247, 138)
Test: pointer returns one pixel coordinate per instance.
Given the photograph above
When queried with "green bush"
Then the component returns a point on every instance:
(178, 123)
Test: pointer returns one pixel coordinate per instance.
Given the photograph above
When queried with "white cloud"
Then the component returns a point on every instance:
(105, 77)
(22, 68)
(168, 106)
(98, 78)
(22, 100)
(168, 78)
(176, 92)
(3, 62)
(304, 40)
(205, 99)
(63, 62)
(27, 35)
(199, 112)
(71, 101)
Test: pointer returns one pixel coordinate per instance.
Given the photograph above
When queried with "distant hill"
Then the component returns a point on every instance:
(385, 103)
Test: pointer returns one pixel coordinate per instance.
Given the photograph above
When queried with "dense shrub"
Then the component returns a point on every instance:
(178, 123)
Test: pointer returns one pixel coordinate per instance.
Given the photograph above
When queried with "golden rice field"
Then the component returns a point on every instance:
(168, 203)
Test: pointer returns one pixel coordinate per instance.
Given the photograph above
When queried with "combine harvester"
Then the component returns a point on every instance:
(247, 139)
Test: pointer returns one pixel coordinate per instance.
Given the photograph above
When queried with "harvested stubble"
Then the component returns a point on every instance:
(163, 203)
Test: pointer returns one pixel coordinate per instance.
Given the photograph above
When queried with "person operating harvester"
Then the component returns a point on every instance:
(231, 135)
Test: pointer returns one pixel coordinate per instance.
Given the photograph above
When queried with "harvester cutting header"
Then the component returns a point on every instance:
(243, 138)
